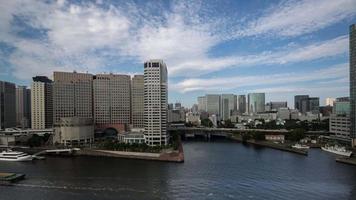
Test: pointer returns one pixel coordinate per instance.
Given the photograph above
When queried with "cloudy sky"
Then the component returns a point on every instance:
(281, 48)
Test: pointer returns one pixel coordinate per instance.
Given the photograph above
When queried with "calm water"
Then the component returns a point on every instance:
(219, 170)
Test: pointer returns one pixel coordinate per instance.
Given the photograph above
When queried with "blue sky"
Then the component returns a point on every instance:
(282, 48)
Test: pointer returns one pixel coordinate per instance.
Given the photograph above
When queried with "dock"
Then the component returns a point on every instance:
(10, 177)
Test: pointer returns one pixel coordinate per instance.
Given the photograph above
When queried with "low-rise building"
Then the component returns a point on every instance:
(132, 138)
(275, 137)
(11, 136)
(74, 131)
(193, 118)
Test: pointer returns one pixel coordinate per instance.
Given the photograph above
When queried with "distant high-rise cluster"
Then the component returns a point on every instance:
(223, 106)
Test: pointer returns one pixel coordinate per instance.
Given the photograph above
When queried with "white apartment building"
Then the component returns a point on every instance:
(41, 103)
(155, 102)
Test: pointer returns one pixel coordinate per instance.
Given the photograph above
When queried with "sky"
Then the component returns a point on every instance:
(282, 48)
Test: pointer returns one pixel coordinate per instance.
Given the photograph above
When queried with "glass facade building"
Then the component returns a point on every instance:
(256, 102)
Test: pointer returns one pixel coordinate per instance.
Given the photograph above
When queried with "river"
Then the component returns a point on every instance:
(212, 170)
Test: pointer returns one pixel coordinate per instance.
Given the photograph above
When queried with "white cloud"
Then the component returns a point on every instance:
(325, 49)
(227, 83)
(293, 18)
(180, 35)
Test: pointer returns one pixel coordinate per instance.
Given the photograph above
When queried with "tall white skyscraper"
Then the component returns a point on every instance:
(155, 102)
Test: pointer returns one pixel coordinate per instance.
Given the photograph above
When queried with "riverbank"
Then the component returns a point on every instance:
(272, 145)
(166, 155)
(346, 160)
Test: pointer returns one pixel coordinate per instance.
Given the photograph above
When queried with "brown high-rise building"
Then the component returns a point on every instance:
(111, 96)
(137, 101)
(72, 95)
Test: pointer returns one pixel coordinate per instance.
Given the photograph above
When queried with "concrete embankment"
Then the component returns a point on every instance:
(166, 155)
(281, 147)
(345, 160)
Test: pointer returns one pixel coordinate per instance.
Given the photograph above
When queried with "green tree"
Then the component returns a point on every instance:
(296, 134)
(207, 123)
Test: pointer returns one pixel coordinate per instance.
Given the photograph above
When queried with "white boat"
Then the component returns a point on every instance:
(337, 150)
(300, 146)
(10, 155)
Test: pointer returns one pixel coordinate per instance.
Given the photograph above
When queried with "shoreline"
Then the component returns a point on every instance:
(176, 156)
(272, 145)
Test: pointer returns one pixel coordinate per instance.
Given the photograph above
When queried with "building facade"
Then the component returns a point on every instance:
(155, 102)
(298, 101)
(228, 105)
(137, 101)
(7, 105)
(111, 99)
(256, 103)
(72, 95)
(41, 103)
(213, 103)
(241, 104)
(74, 131)
(353, 83)
(23, 107)
(274, 105)
(202, 103)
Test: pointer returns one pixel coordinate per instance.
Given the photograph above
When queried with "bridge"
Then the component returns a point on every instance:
(228, 132)
(191, 132)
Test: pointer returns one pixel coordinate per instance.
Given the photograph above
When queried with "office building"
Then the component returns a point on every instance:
(241, 104)
(353, 83)
(202, 103)
(305, 104)
(228, 105)
(23, 107)
(213, 103)
(339, 121)
(137, 101)
(7, 105)
(314, 103)
(275, 105)
(72, 95)
(256, 103)
(111, 100)
(155, 102)
(298, 101)
(178, 105)
(342, 106)
(329, 101)
(41, 103)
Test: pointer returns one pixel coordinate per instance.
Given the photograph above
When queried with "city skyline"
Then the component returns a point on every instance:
(205, 51)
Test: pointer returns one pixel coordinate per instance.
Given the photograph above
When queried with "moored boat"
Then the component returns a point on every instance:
(339, 150)
(10, 155)
(300, 146)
